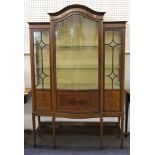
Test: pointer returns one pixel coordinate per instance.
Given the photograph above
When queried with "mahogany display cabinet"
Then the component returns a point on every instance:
(77, 67)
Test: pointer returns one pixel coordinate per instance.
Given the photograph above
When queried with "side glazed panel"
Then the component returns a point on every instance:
(42, 70)
(77, 101)
(113, 70)
(41, 59)
(43, 100)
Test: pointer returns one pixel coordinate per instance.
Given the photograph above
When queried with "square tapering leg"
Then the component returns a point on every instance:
(39, 126)
(34, 129)
(101, 132)
(122, 127)
(53, 130)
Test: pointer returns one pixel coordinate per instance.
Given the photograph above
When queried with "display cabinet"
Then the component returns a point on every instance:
(77, 67)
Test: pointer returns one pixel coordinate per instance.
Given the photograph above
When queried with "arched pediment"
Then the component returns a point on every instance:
(76, 9)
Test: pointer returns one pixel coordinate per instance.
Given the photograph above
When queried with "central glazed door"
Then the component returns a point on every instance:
(77, 65)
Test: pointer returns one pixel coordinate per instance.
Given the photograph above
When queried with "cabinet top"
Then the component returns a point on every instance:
(76, 8)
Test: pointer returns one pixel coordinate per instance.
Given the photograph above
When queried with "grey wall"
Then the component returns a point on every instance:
(27, 71)
(127, 71)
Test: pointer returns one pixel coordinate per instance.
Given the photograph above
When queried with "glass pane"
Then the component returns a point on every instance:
(42, 59)
(73, 79)
(37, 37)
(112, 59)
(117, 37)
(116, 71)
(117, 52)
(108, 82)
(116, 83)
(108, 60)
(46, 56)
(45, 37)
(77, 53)
(108, 38)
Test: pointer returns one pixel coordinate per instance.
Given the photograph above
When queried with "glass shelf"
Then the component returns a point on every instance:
(82, 67)
(72, 47)
(75, 68)
(42, 68)
(112, 68)
(85, 86)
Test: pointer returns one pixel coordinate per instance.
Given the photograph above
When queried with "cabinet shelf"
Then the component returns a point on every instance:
(113, 68)
(72, 47)
(84, 86)
(79, 68)
(70, 68)
(79, 86)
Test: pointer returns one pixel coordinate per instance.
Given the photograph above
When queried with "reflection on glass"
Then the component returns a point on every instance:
(77, 53)
(108, 37)
(108, 60)
(42, 59)
(117, 37)
(37, 37)
(112, 59)
(108, 83)
(117, 55)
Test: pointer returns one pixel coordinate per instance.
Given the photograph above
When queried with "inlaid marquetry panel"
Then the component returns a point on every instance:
(112, 101)
(43, 100)
(77, 101)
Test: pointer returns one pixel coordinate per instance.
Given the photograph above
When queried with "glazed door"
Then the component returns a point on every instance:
(77, 54)
(113, 70)
(42, 70)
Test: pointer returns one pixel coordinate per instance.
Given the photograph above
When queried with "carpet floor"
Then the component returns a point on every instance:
(72, 144)
(76, 151)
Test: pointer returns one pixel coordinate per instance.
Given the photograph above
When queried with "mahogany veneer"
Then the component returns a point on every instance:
(98, 90)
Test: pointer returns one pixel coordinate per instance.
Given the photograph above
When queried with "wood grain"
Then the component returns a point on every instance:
(77, 101)
(43, 100)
